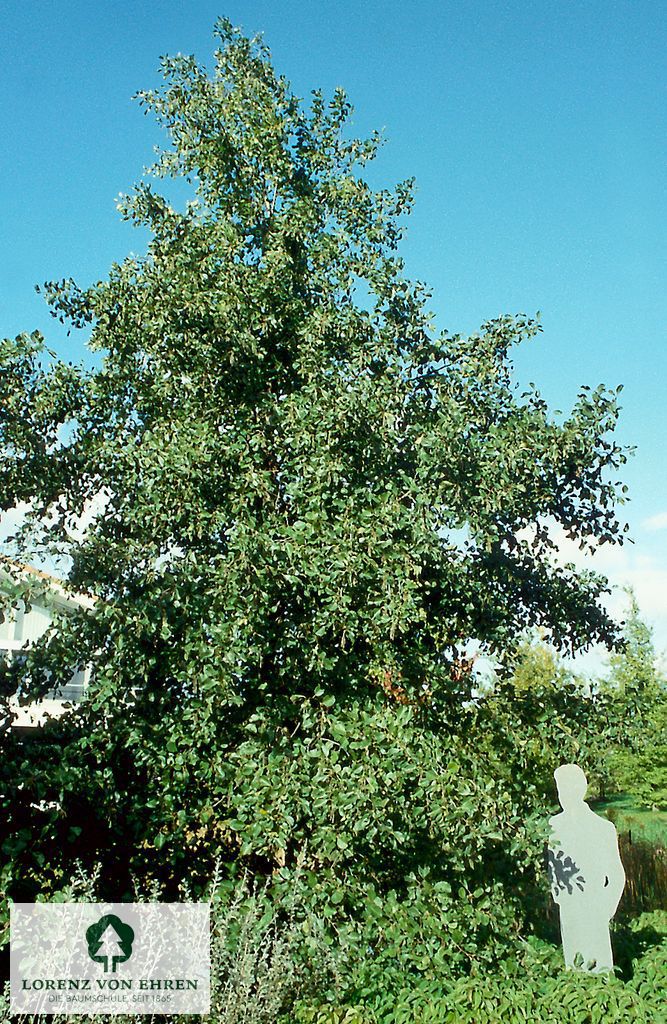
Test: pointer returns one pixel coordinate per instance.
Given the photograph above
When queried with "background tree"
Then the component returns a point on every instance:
(538, 666)
(636, 694)
(307, 503)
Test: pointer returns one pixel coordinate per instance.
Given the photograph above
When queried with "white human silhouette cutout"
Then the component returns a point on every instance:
(585, 872)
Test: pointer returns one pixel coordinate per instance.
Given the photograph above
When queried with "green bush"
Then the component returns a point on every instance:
(264, 973)
(537, 989)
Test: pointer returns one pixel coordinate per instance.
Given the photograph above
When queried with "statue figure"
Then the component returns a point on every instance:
(585, 873)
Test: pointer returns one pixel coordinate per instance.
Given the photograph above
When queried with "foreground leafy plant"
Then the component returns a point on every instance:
(536, 988)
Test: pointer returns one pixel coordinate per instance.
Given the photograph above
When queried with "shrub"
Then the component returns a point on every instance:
(536, 988)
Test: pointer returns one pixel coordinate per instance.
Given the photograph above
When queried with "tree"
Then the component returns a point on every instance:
(538, 667)
(307, 503)
(636, 694)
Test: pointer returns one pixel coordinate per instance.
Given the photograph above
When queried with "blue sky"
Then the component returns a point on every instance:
(535, 132)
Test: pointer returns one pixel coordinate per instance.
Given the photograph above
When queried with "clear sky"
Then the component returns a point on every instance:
(535, 130)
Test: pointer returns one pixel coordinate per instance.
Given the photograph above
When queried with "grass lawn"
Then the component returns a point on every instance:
(644, 825)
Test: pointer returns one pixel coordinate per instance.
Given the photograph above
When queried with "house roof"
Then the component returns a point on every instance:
(12, 569)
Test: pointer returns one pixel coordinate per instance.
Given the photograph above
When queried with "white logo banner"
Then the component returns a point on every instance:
(111, 958)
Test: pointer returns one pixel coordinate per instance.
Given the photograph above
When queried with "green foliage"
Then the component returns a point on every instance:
(644, 774)
(538, 667)
(649, 826)
(633, 668)
(307, 503)
(637, 694)
(254, 972)
(260, 977)
(536, 989)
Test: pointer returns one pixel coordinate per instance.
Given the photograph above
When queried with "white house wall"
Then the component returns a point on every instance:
(18, 629)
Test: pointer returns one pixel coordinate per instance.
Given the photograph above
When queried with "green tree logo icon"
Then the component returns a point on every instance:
(110, 941)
